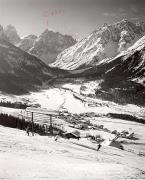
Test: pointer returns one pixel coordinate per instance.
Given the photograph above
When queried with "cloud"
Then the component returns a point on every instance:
(134, 9)
(135, 19)
(123, 14)
(122, 10)
(109, 14)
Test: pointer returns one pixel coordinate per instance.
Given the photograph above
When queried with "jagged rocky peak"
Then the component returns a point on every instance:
(49, 36)
(105, 42)
(27, 42)
(12, 35)
(1, 28)
(2, 34)
(49, 44)
(124, 33)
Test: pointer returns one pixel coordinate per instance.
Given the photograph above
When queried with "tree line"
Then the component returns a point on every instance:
(17, 105)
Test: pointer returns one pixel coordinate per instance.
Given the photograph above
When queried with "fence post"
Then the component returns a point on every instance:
(50, 127)
(32, 125)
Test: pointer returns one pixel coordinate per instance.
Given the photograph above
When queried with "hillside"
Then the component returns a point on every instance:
(69, 158)
(21, 72)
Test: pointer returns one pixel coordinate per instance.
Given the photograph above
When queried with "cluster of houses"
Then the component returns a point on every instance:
(77, 123)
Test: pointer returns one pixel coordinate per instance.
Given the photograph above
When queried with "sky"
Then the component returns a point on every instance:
(77, 18)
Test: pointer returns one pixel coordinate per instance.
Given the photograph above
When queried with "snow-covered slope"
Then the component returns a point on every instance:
(27, 42)
(12, 34)
(40, 157)
(106, 42)
(49, 44)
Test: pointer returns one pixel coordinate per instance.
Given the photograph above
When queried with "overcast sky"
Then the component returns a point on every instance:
(75, 17)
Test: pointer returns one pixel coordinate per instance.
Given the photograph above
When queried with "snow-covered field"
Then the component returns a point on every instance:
(62, 98)
(11, 111)
(40, 157)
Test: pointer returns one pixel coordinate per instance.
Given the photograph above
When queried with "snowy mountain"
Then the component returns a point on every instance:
(49, 44)
(12, 34)
(122, 78)
(27, 42)
(105, 42)
(21, 72)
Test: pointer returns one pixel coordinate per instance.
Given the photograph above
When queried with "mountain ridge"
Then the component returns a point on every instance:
(105, 42)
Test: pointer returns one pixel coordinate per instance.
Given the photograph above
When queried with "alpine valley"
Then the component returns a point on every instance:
(90, 92)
